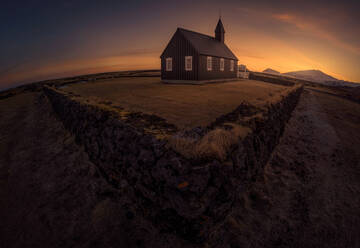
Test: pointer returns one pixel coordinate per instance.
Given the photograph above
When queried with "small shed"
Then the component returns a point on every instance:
(243, 72)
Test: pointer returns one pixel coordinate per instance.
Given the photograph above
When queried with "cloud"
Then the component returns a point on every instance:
(316, 30)
(140, 51)
(37, 72)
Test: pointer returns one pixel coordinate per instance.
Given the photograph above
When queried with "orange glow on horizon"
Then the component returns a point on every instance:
(262, 38)
(281, 61)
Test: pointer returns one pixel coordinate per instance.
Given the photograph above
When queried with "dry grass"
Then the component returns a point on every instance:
(185, 106)
(215, 144)
(117, 112)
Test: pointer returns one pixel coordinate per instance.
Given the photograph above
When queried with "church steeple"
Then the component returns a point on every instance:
(220, 32)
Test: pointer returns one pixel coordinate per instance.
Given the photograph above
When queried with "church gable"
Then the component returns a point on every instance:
(176, 42)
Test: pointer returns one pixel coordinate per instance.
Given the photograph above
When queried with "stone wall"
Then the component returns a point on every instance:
(274, 79)
(162, 191)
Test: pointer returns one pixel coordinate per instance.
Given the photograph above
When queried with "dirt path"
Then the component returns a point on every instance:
(310, 193)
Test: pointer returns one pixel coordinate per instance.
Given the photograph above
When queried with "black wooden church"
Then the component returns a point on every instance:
(191, 56)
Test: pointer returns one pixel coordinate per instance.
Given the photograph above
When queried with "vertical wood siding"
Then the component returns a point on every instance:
(215, 73)
(178, 48)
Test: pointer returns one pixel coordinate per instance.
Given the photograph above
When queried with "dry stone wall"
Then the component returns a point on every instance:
(271, 79)
(161, 189)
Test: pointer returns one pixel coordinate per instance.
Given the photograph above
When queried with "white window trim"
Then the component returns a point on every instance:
(188, 66)
(168, 65)
(222, 64)
(209, 63)
(231, 65)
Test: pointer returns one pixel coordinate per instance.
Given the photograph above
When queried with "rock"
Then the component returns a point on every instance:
(168, 193)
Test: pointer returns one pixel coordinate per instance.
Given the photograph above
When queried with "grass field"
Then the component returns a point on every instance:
(185, 106)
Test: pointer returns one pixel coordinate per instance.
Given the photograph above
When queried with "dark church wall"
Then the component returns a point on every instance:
(178, 48)
(215, 73)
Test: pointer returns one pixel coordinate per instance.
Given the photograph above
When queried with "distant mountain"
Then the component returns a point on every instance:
(311, 75)
(319, 77)
(271, 71)
(315, 76)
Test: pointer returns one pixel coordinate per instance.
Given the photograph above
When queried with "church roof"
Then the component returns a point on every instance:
(207, 45)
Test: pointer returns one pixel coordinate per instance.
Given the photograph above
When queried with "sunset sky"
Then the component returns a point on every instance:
(48, 39)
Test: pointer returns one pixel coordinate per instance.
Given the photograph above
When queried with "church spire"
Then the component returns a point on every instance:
(220, 31)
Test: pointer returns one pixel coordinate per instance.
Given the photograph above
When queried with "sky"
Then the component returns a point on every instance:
(51, 39)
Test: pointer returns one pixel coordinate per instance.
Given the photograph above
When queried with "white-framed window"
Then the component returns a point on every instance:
(188, 63)
(209, 63)
(222, 64)
(231, 65)
(168, 64)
